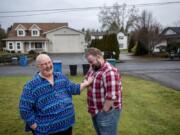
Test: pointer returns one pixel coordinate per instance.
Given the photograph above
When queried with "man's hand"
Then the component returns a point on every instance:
(34, 126)
(107, 105)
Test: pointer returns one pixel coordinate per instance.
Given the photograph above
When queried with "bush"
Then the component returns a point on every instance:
(44, 53)
(32, 52)
(12, 51)
(8, 51)
(140, 49)
(173, 46)
(108, 44)
(131, 44)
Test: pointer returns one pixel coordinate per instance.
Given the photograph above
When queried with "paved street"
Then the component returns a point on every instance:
(159, 70)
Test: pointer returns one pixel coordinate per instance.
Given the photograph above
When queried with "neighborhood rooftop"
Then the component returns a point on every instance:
(43, 26)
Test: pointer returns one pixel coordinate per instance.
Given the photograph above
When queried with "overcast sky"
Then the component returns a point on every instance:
(167, 15)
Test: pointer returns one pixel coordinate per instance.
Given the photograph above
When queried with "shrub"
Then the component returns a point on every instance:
(108, 44)
(131, 44)
(12, 51)
(140, 49)
(173, 46)
(32, 52)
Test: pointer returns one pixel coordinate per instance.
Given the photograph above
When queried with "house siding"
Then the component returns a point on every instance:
(66, 40)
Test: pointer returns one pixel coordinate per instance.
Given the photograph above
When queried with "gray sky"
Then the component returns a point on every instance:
(167, 15)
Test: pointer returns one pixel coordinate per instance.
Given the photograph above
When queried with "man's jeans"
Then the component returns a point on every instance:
(106, 123)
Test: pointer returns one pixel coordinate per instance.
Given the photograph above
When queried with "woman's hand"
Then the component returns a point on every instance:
(86, 82)
(34, 126)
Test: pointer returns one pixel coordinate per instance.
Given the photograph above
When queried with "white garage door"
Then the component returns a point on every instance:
(66, 43)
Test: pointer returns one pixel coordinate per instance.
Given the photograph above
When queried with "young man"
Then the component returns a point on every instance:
(46, 101)
(104, 94)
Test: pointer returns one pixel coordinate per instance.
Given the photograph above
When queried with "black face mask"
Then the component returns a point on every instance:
(97, 66)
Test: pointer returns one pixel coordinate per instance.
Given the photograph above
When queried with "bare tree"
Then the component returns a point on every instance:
(148, 30)
(2, 35)
(119, 15)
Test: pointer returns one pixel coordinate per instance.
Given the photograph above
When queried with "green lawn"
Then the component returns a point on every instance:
(148, 108)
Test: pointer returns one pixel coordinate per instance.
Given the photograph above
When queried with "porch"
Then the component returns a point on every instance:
(38, 46)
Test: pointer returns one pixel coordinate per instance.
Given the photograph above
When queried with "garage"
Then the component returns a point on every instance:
(66, 43)
(66, 40)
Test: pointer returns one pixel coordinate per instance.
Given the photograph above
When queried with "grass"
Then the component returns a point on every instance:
(148, 108)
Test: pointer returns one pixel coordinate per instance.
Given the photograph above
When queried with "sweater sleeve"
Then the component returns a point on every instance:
(73, 88)
(26, 105)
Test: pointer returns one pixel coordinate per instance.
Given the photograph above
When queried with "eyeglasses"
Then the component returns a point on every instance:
(46, 63)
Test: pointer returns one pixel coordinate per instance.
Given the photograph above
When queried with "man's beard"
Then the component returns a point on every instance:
(97, 66)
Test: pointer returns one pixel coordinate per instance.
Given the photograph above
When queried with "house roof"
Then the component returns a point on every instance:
(25, 39)
(171, 36)
(43, 26)
(62, 28)
(175, 29)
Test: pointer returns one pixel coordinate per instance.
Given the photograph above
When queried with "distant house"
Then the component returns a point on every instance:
(44, 37)
(97, 35)
(169, 34)
(122, 40)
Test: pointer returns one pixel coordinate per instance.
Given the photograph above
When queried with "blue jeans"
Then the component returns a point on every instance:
(106, 123)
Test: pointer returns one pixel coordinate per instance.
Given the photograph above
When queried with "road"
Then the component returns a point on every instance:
(162, 71)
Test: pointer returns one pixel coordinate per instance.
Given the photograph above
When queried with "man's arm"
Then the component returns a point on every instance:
(26, 107)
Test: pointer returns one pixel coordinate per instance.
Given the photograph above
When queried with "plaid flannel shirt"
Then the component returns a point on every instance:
(106, 86)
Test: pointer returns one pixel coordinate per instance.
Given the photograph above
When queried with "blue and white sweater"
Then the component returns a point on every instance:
(49, 106)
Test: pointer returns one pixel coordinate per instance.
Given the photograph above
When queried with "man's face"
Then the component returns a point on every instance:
(46, 67)
(94, 62)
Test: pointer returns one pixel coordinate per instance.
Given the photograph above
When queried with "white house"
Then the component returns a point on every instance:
(44, 37)
(122, 40)
(160, 46)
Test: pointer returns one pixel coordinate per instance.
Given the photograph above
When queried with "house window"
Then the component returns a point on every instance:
(20, 32)
(18, 46)
(121, 37)
(11, 46)
(38, 45)
(35, 33)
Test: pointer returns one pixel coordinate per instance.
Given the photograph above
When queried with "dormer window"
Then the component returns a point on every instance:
(20, 32)
(121, 37)
(20, 29)
(35, 32)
